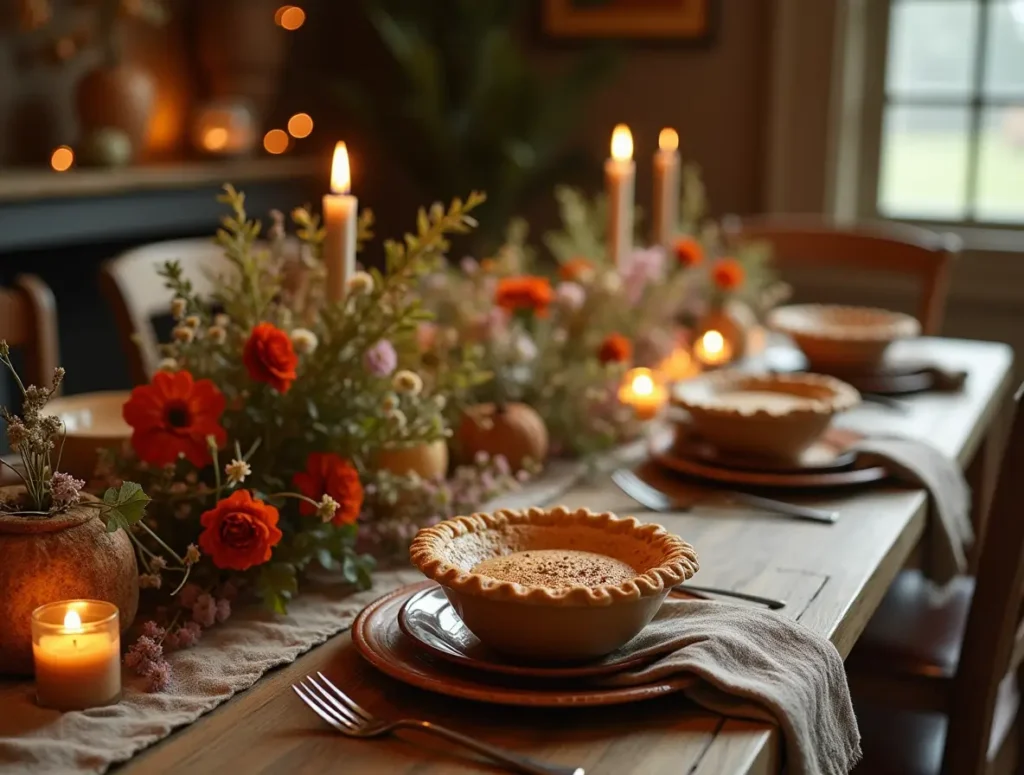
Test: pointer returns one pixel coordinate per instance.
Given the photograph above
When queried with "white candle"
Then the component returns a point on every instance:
(341, 222)
(620, 184)
(666, 189)
(77, 650)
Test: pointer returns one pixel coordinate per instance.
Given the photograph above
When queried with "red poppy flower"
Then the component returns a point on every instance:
(329, 474)
(615, 349)
(576, 269)
(524, 293)
(728, 274)
(173, 415)
(239, 532)
(688, 251)
(269, 357)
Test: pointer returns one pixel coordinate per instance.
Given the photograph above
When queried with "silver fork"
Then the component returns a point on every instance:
(346, 715)
(656, 500)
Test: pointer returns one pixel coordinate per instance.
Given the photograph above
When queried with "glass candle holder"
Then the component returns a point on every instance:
(643, 390)
(76, 645)
(225, 128)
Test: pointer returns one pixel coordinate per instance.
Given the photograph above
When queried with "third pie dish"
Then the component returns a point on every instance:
(553, 584)
(776, 416)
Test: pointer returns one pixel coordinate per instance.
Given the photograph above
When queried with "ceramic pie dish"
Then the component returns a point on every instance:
(774, 416)
(838, 339)
(92, 421)
(553, 585)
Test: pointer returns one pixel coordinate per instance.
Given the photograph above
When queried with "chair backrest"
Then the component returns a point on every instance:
(883, 247)
(137, 294)
(28, 320)
(992, 625)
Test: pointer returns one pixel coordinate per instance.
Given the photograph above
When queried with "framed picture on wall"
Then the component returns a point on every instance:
(651, 20)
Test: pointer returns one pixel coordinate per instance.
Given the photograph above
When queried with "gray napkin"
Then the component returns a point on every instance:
(949, 533)
(756, 664)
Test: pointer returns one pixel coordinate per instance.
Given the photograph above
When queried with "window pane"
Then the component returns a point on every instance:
(924, 162)
(1004, 61)
(931, 47)
(1001, 166)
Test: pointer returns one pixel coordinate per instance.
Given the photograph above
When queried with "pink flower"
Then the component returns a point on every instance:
(152, 630)
(381, 359)
(228, 590)
(491, 325)
(159, 675)
(188, 634)
(639, 270)
(223, 610)
(64, 489)
(204, 611)
(571, 296)
(189, 594)
(469, 265)
(143, 652)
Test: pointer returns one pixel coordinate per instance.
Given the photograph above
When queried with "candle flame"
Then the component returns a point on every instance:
(72, 621)
(668, 139)
(622, 143)
(643, 384)
(713, 342)
(341, 177)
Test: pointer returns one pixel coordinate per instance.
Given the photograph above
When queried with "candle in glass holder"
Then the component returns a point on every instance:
(678, 365)
(341, 222)
(225, 128)
(76, 645)
(665, 208)
(712, 349)
(620, 185)
(642, 390)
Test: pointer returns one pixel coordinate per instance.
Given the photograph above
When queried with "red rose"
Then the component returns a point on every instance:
(239, 532)
(270, 358)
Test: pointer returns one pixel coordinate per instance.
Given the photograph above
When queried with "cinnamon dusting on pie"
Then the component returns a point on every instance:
(556, 568)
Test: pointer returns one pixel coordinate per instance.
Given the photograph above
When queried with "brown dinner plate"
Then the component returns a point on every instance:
(380, 640)
(857, 473)
(829, 453)
(430, 620)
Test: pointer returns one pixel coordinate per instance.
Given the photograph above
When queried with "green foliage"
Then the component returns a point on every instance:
(126, 505)
(469, 109)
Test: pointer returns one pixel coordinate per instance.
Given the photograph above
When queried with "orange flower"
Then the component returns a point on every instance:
(269, 357)
(728, 274)
(329, 474)
(615, 349)
(524, 293)
(172, 416)
(239, 532)
(576, 269)
(689, 252)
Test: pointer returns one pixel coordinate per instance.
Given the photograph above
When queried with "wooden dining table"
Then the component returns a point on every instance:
(832, 578)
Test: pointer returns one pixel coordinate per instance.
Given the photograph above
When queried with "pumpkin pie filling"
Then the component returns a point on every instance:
(556, 568)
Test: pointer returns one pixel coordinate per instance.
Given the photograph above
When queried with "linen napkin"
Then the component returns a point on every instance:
(949, 533)
(759, 665)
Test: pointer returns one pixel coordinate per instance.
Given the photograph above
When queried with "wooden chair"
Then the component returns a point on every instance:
(882, 247)
(137, 294)
(28, 320)
(934, 675)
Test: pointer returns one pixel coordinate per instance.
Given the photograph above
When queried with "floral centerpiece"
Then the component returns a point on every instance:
(560, 337)
(262, 437)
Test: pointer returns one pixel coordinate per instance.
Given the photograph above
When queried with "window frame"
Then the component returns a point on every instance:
(873, 55)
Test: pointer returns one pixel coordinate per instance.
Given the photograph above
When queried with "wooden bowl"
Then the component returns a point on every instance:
(92, 421)
(773, 416)
(555, 599)
(838, 339)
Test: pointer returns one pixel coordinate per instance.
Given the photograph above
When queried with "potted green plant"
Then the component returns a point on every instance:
(56, 541)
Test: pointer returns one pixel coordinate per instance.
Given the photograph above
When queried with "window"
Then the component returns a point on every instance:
(952, 129)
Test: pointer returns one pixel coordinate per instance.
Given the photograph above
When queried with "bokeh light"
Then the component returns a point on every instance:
(300, 125)
(276, 141)
(62, 158)
(291, 17)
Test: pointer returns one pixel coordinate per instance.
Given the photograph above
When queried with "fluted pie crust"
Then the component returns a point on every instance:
(819, 394)
(448, 551)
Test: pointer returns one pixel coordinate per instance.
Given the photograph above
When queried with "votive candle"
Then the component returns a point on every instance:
(643, 391)
(620, 185)
(76, 645)
(341, 223)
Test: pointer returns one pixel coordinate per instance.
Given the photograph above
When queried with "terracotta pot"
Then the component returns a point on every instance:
(430, 461)
(120, 97)
(243, 51)
(513, 430)
(64, 557)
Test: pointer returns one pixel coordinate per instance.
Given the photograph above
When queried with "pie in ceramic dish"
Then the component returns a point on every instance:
(773, 415)
(838, 339)
(553, 584)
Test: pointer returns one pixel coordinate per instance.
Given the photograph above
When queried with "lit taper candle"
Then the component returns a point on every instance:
(620, 184)
(666, 189)
(341, 222)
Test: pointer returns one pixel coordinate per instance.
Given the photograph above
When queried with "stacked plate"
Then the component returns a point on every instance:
(415, 636)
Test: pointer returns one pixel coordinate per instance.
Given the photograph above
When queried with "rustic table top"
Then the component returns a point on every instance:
(832, 578)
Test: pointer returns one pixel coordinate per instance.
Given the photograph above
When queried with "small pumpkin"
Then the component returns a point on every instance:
(513, 430)
(429, 460)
